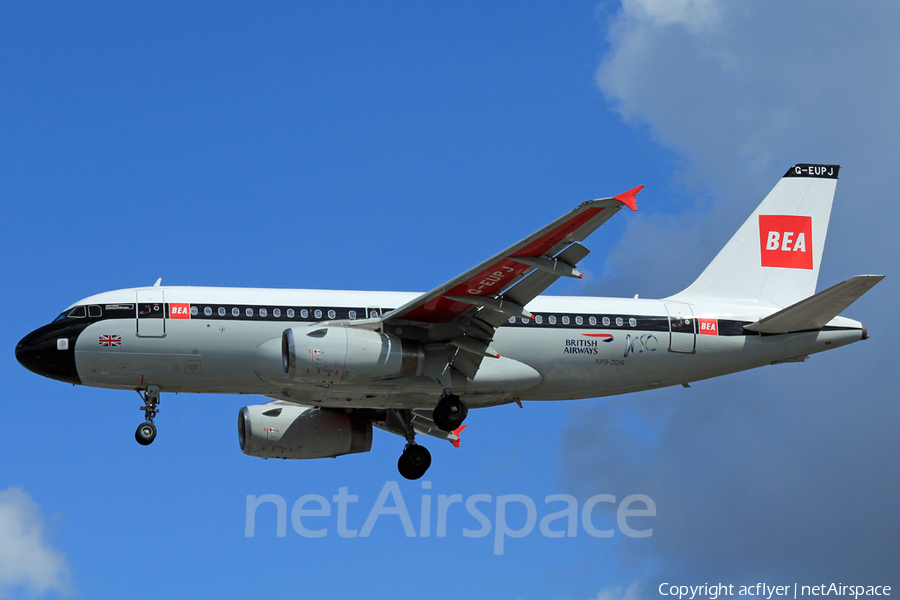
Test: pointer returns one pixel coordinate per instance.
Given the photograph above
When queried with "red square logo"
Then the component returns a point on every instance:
(179, 311)
(709, 326)
(785, 241)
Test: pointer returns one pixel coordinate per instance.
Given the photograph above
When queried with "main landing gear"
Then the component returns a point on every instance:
(450, 412)
(146, 431)
(415, 459)
(448, 415)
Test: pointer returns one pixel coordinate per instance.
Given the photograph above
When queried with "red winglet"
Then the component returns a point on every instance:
(629, 198)
(457, 432)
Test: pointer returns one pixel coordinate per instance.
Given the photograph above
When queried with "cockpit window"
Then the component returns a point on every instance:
(94, 311)
(73, 313)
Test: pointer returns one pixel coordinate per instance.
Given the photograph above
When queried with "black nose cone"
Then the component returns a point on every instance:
(50, 351)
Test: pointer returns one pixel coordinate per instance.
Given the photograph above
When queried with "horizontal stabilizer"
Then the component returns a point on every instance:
(816, 311)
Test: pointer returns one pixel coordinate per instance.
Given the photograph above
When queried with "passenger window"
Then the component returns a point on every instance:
(304, 313)
(207, 311)
(263, 312)
(94, 311)
(512, 319)
(592, 320)
(331, 314)
(579, 321)
(606, 321)
(619, 321)
(235, 312)
(538, 319)
(249, 312)
(276, 313)
(290, 313)
(632, 321)
(318, 314)
(565, 320)
(194, 311)
(221, 311)
(352, 314)
(551, 319)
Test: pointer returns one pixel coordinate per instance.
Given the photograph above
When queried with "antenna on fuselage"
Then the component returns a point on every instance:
(158, 281)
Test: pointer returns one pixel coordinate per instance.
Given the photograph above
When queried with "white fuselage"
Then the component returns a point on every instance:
(575, 347)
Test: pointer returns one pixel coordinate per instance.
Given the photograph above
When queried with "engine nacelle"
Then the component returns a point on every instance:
(289, 431)
(348, 354)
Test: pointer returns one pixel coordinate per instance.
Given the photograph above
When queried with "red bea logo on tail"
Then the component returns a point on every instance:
(785, 241)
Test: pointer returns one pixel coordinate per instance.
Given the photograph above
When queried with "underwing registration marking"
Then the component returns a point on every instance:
(491, 279)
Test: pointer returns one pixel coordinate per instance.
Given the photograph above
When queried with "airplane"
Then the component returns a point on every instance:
(336, 363)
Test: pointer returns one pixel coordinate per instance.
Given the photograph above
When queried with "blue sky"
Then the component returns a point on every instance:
(367, 146)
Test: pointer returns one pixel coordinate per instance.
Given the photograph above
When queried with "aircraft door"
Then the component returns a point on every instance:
(151, 313)
(682, 327)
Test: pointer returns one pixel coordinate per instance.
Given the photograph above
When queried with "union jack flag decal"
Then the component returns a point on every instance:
(110, 340)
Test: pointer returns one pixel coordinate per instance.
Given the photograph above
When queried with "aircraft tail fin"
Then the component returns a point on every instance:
(816, 311)
(774, 257)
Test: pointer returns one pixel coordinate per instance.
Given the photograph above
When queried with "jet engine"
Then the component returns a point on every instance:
(279, 430)
(348, 355)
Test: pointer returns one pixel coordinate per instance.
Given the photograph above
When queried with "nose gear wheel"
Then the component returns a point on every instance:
(146, 431)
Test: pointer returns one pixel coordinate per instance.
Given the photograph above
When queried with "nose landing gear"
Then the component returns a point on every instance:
(146, 431)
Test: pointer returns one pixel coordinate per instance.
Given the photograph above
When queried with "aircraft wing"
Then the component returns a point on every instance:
(499, 273)
(465, 311)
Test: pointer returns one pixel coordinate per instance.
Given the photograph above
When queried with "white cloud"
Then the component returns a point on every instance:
(26, 558)
(748, 85)
(784, 471)
(744, 90)
(695, 15)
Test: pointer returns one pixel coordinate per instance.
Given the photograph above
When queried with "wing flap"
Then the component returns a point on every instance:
(529, 288)
(816, 311)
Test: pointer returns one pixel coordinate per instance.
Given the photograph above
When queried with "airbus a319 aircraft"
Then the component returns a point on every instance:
(335, 363)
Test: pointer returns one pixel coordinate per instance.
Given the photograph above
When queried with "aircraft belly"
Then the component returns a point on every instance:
(411, 392)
